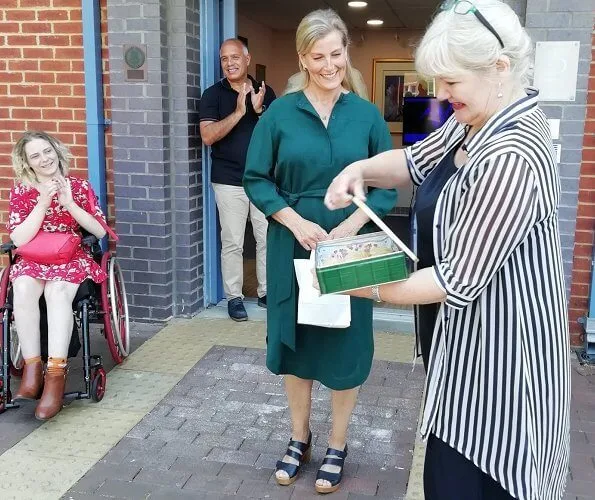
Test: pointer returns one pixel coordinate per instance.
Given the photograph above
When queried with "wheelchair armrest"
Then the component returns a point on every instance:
(7, 247)
(89, 240)
(92, 243)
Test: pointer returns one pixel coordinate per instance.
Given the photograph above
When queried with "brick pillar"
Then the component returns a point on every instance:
(585, 222)
(156, 171)
(187, 210)
(566, 20)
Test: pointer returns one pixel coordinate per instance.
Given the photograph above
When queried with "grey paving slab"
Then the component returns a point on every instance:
(222, 428)
(17, 423)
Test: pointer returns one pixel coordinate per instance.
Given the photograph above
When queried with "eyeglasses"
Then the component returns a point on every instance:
(464, 7)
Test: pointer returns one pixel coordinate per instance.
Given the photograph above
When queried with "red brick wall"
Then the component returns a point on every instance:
(42, 83)
(585, 223)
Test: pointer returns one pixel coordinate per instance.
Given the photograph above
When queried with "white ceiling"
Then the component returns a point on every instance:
(286, 14)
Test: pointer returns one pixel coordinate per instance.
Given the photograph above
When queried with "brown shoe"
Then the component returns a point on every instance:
(51, 400)
(31, 381)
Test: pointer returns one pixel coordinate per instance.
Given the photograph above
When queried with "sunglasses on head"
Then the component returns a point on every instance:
(465, 7)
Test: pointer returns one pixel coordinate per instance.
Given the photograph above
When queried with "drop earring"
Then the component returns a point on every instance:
(500, 95)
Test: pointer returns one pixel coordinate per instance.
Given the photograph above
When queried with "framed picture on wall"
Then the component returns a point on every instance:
(392, 80)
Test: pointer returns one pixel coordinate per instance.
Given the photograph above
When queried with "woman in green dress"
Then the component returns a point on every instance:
(299, 145)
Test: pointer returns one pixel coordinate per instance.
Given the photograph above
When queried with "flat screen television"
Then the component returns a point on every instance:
(421, 116)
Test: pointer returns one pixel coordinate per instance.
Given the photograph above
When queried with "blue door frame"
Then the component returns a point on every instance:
(218, 21)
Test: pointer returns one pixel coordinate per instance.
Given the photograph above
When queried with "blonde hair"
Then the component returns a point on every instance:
(314, 26)
(23, 172)
(458, 43)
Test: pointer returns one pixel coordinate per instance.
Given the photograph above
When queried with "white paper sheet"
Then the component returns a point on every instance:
(329, 311)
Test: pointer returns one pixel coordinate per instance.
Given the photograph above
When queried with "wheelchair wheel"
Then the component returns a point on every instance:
(98, 382)
(4, 282)
(17, 362)
(115, 309)
(2, 397)
(16, 358)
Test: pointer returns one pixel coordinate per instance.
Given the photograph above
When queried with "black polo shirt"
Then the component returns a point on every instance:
(228, 155)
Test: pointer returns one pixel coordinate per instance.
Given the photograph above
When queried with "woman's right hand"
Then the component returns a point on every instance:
(308, 233)
(349, 183)
(47, 190)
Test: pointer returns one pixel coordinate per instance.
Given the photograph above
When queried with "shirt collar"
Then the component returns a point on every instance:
(303, 102)
(504, 119)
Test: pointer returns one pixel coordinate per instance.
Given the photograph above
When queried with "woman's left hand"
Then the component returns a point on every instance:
(64, 191)
(343, 230)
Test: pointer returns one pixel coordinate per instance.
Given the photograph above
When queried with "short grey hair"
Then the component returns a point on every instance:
(237, 41)
(456, 43)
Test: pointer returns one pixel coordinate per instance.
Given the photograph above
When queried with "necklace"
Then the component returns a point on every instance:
(328, 109)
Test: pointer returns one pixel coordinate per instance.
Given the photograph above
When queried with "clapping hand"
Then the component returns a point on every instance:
(241, 102)
(64, 191)
(257, 98)
(47, 191)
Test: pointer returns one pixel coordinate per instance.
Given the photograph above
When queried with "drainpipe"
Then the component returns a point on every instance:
(588, 322)
(95, 119)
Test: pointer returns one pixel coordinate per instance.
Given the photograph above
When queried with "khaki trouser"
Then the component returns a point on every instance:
(234, 207)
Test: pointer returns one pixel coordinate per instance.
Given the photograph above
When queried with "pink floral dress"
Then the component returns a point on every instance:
(23, 199)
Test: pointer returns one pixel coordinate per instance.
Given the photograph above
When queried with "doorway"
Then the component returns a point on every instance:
(268, 29)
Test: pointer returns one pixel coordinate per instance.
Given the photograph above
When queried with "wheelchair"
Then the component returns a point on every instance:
(104, 303)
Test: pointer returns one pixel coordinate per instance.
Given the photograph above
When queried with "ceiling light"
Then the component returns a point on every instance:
(375, 22)
(357, 5)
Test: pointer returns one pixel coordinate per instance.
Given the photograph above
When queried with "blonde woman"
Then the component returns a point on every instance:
(46, 198)
(305, 139)
(497, 407)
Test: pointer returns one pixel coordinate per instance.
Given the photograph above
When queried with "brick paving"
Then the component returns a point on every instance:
(218, 433)
(221, 429)
(581, 481)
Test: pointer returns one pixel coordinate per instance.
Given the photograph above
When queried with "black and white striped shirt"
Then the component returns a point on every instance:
(498, 384)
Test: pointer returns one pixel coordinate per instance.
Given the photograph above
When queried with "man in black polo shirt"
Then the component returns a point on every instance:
(229, 111)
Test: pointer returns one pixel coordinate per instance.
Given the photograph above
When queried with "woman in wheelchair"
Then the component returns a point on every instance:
(46, 199)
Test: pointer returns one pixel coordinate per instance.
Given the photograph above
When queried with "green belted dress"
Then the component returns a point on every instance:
(292, 159)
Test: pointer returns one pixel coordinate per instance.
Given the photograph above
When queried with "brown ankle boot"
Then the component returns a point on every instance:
(51, 400)
(31, 380)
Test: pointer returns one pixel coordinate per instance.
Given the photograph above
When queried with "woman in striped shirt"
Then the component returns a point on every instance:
(496, 411)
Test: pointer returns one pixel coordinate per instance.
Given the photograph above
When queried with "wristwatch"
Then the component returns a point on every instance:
(264, 106)
(375, 293)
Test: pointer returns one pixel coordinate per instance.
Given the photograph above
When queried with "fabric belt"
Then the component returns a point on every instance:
(282, 264)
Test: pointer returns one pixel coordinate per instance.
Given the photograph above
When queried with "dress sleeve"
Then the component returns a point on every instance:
(495, 214)
(423, 156)
(86, 198)
(259, 180)
(94, 206)
(18, 208)
(381, 201)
